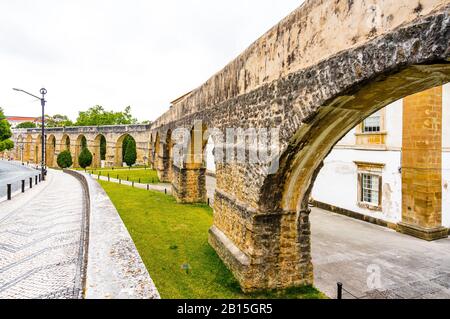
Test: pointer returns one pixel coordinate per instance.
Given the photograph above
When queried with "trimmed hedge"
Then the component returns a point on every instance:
(85, 158)
(64, 159)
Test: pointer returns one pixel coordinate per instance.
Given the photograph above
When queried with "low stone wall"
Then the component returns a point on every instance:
(114, 268)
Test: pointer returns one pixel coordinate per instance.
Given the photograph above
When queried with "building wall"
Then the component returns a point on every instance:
(446, 155)
(337, 183)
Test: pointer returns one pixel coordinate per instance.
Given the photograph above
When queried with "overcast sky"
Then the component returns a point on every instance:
(116, 53)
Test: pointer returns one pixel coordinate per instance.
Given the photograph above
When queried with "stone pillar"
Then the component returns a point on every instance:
(189, 185)
(422, 166)
(164, 164)
(264, 249)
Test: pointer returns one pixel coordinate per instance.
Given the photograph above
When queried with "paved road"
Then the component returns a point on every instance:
(350, 251)
(40, 241)
(13, 173)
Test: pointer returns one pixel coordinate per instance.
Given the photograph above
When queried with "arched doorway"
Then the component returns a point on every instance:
(50, 151)
(28, 149)
(37, 150)
(121, 147)
(99, 151)
(81, 143)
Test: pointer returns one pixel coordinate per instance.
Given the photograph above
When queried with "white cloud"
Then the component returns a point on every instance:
(118, 53)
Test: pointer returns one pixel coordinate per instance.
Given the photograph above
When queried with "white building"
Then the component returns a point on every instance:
(363, 174)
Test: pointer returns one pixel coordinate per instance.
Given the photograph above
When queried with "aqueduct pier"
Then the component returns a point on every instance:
(315, 76)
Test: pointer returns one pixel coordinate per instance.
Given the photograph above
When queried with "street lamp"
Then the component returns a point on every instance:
(42, 99)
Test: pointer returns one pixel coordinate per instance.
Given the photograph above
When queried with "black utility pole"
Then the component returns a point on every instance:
(42, 99)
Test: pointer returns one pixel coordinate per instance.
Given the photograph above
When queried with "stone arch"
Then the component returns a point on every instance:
(189, 172)
(37, 149)
(99, 152)
(28, 147)
(118, 159)
(51, 151)
(19, 148)
(80, 143)
(65, 143)
(261, 209)
(281, 210)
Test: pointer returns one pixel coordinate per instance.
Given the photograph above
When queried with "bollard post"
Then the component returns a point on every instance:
(8, 191)
(117, 176)
(39, 178)
(109, 178)
(339, 291)
(208, 201)
(148, 187)
(35, 180)
(165, 191)
(31, 182)
(139, 180)
(120, 182)
(23, 186)
(132, 184)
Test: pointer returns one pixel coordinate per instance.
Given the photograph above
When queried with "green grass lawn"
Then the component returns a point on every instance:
(146, 176)
(169, 235)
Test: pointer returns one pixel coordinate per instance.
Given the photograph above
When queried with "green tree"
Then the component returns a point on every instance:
(5, 133)
(98, 116)
(85, 158)
(57, 120)
(130, 153)
(64, 159)
(26, 125)
(103, 148)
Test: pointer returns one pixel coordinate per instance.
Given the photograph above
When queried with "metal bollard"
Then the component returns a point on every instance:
(132, 184)
(23, 186)
(148, 187)
(39, 178)
(31, 182)
(165, 191)
(109, 178)
(36, 180)
(339, 291)
(208, 202)
(8, 191)
(120, 182)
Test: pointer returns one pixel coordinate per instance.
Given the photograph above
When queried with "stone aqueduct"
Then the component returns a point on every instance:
(315, 75)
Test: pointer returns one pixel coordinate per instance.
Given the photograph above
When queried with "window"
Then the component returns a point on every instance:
(372, 124)
(370, 189)
(370, 185)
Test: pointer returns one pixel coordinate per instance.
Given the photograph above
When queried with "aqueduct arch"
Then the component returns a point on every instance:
(315, 83)
(51, 151)
(313, 77)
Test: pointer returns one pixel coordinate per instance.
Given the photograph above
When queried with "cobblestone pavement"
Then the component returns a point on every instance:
(41, 251)
(375, 262)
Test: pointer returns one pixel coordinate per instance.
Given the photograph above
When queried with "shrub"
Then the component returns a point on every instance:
(85, 158)
(6, 145)
(130, 153)
(64, 159)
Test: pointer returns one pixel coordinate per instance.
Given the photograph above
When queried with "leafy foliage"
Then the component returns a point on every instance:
(97, 116)
(130, 155)
(57, 120)
(5, 133)
(27, 125)
(64, 159)
(85, 158)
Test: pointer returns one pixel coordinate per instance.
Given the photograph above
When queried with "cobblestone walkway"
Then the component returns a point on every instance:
(41, 251)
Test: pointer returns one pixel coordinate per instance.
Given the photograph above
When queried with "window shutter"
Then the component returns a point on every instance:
(380, 191)
(360, 187)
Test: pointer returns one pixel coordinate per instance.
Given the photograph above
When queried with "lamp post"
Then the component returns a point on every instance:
(43, 92)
